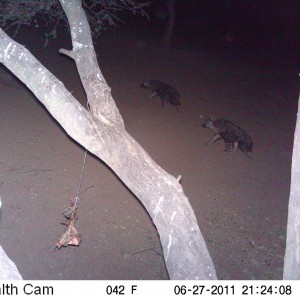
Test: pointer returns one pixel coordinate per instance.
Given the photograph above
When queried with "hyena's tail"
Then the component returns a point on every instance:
(174, 98)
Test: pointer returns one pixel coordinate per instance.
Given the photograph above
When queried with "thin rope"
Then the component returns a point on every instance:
(81, 176)
(83, 166)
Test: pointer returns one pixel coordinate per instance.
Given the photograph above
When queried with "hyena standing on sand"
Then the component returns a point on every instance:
(163, 90)
(231, 134)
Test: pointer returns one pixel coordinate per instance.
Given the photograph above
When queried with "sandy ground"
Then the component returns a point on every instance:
(240, 203)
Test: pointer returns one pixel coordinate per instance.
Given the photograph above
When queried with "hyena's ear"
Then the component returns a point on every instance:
(144, 83)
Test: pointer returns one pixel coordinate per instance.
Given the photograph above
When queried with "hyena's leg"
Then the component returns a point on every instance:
(153, 95)
(227, 147)
(235, 146)
(215, 138)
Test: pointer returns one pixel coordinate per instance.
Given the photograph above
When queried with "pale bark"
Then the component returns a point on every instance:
(292, 253)
(8, 269)
(101, 131)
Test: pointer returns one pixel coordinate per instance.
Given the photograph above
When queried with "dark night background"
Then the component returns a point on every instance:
(267, 32)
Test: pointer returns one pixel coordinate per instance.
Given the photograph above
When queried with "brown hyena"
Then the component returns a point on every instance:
(231, 134)
(163, 90)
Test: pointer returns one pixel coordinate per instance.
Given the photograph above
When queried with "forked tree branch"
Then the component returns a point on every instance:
(102, 132)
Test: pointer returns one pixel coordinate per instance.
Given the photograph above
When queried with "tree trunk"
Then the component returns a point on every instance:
(170, 23)
(8, 269)
(291, 269)
(102, 132)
